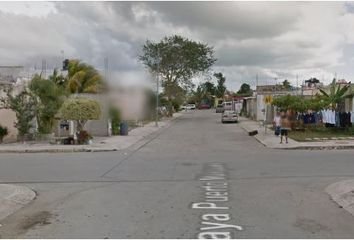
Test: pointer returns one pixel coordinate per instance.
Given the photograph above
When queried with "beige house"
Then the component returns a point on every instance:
(131, 101)
(8, 77)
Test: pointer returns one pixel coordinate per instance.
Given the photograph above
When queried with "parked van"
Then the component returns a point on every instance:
(227, 106)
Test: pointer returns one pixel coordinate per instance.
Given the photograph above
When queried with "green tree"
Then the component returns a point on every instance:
(209, 87)
(298, 103)
(81, 110)
(287, 85)
(220, 87)
(336, 95)
(49, 97)
(24, 106)
(58, 79)
(289, 102)
(197, 95)
(83, 78)
(245, 90)
(174, 94)
(177, 60)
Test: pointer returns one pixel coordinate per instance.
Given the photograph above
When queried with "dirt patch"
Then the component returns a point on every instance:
(40, 218)
(309, 225)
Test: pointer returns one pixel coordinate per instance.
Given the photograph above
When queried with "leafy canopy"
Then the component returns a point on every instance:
(220, 87)
(24, 106)
(287, 85)
(177, 59)
(80, 110)
(298, 103)
(245, 90)
(50, 96)
(336, 94)
(83, 78)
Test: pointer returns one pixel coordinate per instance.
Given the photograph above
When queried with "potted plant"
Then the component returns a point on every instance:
(3, 133)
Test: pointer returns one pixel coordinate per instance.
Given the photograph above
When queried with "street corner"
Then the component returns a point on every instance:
(13, 198)
(343, 194)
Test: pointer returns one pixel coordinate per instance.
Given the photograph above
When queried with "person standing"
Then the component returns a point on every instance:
(276, 124)
(284, 128)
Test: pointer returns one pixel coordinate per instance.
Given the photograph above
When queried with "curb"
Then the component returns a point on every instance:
(330, 147)
(69, 150)
(13, 198)
(340, 147)
(343, 194)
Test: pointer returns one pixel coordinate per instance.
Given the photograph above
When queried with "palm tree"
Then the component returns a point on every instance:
(336, 95)
(83, 78)
(58, 79)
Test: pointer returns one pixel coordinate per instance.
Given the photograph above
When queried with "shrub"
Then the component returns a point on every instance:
(115, 120)
(24, 105)
(176, 105)
(3, 132)
(83, 137)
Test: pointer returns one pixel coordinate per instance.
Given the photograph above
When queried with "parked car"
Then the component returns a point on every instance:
(219, 108)
(191, 106)
(204, 106)
(188, 107)
(229, 116)
(227, 106)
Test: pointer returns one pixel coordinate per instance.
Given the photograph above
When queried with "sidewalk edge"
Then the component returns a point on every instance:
(13, 198)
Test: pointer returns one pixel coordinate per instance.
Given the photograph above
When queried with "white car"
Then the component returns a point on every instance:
(191, 106)
(229, 116)
(188, 107)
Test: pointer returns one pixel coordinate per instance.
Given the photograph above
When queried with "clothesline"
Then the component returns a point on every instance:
(328, 117)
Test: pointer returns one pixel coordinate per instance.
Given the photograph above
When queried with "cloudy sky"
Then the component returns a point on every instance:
(271, 39)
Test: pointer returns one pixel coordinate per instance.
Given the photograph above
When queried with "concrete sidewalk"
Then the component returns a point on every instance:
(343, 194)
(13, 197)
(100, 144)
(268, 139)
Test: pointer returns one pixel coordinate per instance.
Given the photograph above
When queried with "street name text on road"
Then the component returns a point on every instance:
(216, 195)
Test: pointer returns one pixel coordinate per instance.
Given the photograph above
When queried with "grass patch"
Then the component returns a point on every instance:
(321, 132)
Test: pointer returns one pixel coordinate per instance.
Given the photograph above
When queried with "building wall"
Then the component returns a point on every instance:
(132, 102)
(251, 108)
(260, 108)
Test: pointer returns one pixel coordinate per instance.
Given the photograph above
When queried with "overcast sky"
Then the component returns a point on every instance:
(278, 39)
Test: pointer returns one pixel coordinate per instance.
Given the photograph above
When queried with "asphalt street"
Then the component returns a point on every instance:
(152, 190)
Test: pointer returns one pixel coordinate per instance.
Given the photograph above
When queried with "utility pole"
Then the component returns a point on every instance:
(106, 68)
(297, 84)
(157, 89)
(44, 68)
(104, 100)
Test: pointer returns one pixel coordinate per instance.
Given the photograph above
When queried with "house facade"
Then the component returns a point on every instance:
(9, 77)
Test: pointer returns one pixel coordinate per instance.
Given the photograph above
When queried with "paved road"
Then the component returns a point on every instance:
(152, 191)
